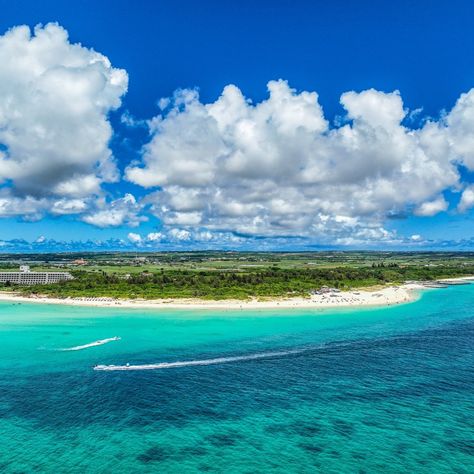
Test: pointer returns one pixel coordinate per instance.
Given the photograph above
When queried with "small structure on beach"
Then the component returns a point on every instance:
(325, 290)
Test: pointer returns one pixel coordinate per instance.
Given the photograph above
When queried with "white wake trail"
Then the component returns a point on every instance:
(100, 342)
(218, 360)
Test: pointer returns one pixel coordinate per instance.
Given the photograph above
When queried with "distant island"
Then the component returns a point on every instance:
(325, 278)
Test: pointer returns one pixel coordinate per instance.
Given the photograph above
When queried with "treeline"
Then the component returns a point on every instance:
(229, 284)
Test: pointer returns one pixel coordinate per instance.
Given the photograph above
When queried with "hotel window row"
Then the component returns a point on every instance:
(34, 278)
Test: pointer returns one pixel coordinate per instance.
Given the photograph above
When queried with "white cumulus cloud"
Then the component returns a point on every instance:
(278, 168)
(121, 211)
(179, 234)
(54, 132)
(431, 208)
(155, 236)
(467, 199)
(134, 238)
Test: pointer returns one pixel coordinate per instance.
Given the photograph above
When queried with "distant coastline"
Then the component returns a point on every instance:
(387, 296)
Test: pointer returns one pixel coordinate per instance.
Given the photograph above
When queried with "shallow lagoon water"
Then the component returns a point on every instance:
(376, 390)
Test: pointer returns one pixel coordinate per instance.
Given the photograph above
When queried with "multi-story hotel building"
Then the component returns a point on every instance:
(27, 277)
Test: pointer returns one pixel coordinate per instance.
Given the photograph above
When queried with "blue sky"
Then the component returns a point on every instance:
(210, 170)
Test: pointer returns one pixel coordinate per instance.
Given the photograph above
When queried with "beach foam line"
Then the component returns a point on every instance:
(218, 360)
(100, 342)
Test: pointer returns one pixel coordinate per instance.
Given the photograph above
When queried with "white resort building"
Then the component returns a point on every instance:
(27, 277)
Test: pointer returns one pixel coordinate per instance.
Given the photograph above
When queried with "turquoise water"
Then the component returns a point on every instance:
(382, 390)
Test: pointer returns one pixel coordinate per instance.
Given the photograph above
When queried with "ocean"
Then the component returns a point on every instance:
(381, 390)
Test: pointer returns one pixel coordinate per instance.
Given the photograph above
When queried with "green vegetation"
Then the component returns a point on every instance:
(225, 275)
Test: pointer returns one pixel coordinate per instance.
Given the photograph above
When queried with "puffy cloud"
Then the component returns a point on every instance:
(431, 208)
(278, 168)
(122, 211)
(176, 237)
(205, 236)
(134, 238)
(155, 237)
(179, 234)
(29, 208)
(467, 199)
(54, 132)
(375, 108)
(68, 206)
(460, 126)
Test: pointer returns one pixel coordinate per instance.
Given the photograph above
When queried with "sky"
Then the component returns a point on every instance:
(179, 125)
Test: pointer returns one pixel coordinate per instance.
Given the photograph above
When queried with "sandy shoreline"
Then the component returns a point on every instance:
(387, 296)
(383, 297)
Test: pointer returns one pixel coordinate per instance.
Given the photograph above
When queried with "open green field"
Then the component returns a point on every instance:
(229, 261)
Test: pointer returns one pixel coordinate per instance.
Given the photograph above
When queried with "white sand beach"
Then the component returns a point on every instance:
(386, 296)
(380, 297)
